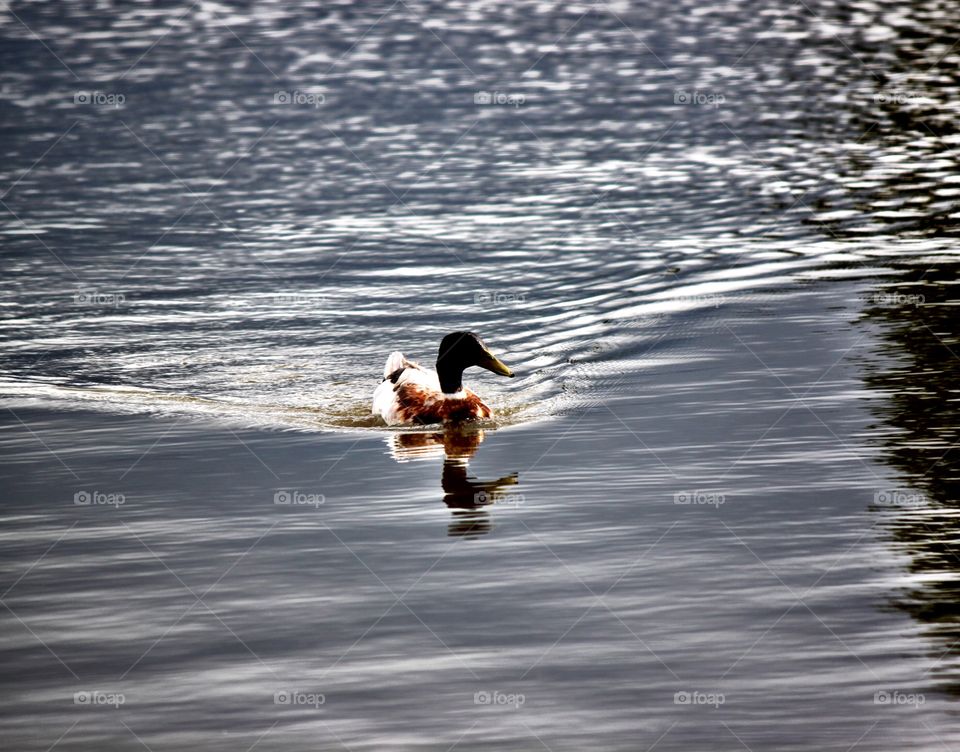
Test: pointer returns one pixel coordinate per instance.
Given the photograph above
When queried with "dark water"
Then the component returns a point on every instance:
(718, 508)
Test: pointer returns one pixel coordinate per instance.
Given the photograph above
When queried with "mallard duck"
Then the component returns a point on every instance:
(412, 394)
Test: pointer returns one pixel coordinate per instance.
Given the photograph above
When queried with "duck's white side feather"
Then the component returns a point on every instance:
(394, 361)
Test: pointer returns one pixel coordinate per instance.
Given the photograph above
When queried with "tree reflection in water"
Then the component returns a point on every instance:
(918, 369)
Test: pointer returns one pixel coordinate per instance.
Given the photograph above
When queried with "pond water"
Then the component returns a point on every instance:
(716, 508)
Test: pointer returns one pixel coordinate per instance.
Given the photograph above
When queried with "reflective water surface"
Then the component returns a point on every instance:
(717, 508)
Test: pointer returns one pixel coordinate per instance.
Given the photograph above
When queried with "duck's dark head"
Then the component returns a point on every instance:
(460, 350)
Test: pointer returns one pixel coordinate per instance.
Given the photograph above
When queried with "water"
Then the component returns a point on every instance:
(717, 506)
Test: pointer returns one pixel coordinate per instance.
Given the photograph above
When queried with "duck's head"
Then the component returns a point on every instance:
(460, 350)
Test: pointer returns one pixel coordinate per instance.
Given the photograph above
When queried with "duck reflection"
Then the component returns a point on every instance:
(467, 496)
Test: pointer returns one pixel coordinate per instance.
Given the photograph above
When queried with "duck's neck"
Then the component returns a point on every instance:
(450, 376)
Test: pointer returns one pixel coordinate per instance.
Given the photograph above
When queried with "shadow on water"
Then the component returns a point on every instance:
(467, 496)
(918, 370)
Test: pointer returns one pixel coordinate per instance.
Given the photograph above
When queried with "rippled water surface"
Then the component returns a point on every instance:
(716, 243)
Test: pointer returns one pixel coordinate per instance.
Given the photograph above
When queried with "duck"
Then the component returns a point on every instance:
(412, 394)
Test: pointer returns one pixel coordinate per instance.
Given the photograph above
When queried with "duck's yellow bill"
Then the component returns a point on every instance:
(493, 363)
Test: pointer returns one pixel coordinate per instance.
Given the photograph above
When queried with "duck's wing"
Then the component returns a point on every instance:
(400, 376)
(398, 370)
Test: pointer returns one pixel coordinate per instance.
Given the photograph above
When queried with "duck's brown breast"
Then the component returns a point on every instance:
(419, 405)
